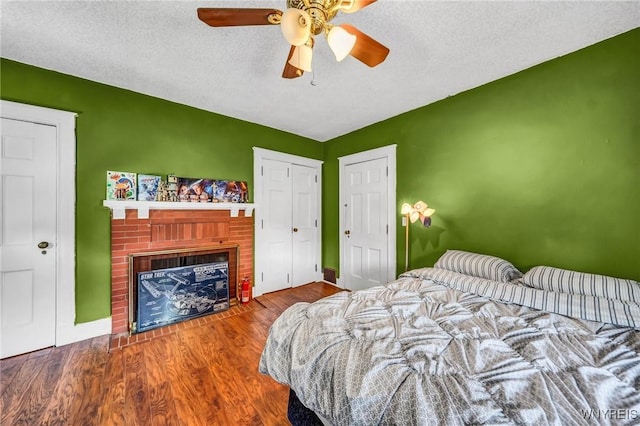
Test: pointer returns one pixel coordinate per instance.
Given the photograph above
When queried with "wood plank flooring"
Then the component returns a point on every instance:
(202, 375)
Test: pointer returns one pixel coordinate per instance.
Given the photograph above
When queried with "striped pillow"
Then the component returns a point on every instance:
(478, 265)
(573, 282)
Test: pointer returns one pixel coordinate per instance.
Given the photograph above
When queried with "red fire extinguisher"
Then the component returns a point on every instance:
(245, 290)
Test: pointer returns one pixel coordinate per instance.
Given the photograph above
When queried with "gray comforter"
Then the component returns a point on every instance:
(417, 351)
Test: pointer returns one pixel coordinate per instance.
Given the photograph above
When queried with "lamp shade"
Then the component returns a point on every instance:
(296, 26)
(301, 57)
(419, 210)
(341, 42)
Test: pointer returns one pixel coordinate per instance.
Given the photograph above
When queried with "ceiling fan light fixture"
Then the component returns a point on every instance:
(341, 42)
(296, 26)
(301, 57)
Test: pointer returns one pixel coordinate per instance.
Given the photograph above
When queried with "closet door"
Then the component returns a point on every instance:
(305, 224)
(287, 220)
(275, 223)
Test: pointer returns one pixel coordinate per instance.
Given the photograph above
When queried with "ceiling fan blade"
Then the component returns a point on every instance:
(366, 50)
(357, 5)
(231, 17)
(289, 70)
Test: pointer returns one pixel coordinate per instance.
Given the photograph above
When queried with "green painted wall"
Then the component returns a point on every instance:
(542, 167)
(122, 130)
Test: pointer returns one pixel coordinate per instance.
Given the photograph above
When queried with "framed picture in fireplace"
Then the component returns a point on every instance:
(167, 296)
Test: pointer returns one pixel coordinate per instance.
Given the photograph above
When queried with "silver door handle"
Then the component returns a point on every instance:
(43, 245)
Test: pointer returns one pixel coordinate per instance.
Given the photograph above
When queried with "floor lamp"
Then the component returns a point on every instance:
(419, 210)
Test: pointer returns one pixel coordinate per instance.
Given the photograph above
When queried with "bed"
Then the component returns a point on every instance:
(469, 341)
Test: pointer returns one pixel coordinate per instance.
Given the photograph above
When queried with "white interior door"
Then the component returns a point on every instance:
(287, 220)
(366, 224)
(275, 223)
(305, 224)
(27, 272)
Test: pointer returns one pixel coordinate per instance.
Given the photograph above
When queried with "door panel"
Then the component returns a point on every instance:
(374, 261)
(305, 231)
(18, 191)
(27, 273)
(276, 225)
(366, 224)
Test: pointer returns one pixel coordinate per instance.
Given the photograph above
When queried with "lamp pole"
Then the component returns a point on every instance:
(406, 242)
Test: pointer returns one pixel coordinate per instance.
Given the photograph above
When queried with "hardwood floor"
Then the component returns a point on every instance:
(200, 375)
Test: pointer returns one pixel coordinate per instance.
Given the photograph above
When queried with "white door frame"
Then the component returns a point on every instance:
(65, 122)
(260, 154)
(388, 152)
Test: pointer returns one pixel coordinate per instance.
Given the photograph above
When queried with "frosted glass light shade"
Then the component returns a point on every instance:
(301, 57)
(296, 26)
(406, 208)
(341, 42)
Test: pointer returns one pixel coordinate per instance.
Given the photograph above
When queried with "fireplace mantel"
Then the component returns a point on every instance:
(119, 207)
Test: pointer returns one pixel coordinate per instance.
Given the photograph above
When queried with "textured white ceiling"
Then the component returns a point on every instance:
(438, 49)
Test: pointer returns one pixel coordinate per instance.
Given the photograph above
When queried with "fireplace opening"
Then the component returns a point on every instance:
(177, 285)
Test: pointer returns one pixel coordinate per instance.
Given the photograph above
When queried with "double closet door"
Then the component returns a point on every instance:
(287, 221)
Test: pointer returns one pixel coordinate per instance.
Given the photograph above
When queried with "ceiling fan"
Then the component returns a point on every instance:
(303, 20)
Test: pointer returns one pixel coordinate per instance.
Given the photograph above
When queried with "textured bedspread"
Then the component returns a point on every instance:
(420, 352)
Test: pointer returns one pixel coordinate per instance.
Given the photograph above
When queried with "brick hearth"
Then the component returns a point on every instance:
(167, 230)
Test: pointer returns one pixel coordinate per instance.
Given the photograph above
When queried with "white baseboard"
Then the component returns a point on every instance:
(257, 291)
(74, 333)
(330, 283)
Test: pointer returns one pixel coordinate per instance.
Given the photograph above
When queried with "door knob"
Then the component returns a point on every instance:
(347, 232)
(43, 244)
(295, 229)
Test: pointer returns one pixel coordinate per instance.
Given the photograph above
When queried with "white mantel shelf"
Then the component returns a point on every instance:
(119, 208)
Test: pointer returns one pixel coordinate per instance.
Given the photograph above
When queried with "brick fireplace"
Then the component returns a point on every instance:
(173, 230)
